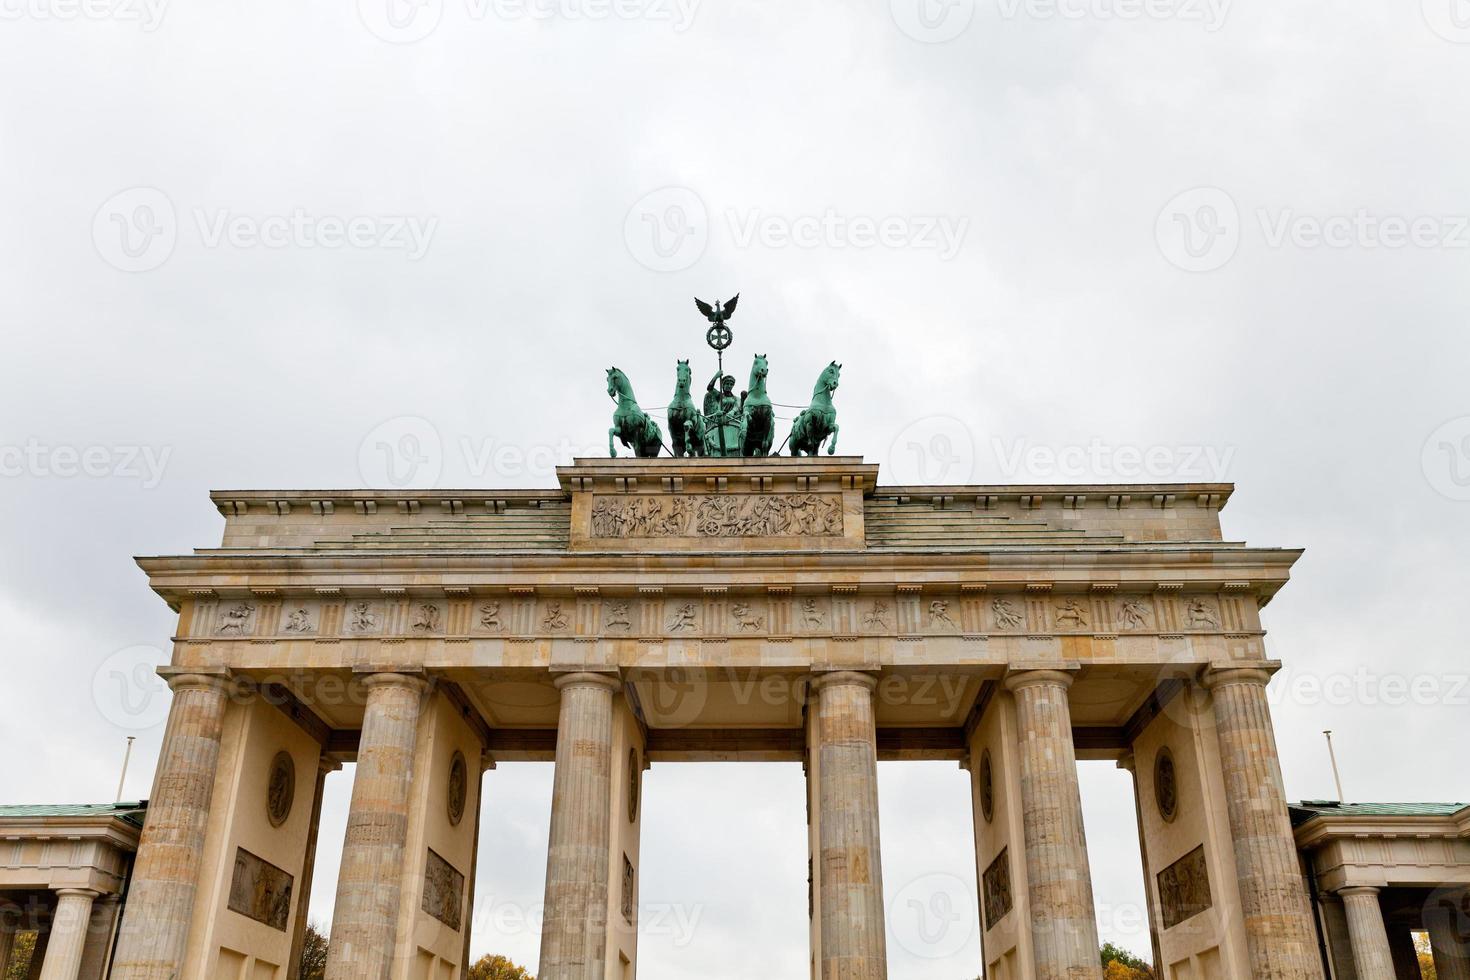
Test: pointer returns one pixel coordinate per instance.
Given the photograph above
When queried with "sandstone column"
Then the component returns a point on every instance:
(574, 930)
(1063, 922)
(845, 738)
(324, 766)
(368, 885)
(160, 904)
(1447, 919)
(1371, 955)
(7, 942)
(68, 933)
(1280, 935)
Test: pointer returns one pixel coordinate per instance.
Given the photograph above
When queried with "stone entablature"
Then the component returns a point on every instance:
(51, 848)
(1380, 846)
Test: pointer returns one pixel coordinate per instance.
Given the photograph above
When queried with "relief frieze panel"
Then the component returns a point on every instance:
(750, 515)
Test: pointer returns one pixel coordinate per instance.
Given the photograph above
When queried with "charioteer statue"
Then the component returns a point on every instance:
(724, 425)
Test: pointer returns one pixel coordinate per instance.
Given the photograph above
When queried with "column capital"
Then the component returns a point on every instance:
(1056, 676)
(216, 679)
(1128, 762)
(844, 678)
(417, 683)
(1220, 675)
(90, 894)
(583, 678)
(1351, 890)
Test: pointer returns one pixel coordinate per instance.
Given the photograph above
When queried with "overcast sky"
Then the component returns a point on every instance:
(1050, 240)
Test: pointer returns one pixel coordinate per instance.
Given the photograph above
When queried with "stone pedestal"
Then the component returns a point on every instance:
(1447, 919)
(369, 883)
(1063, 923)
(853, 944)
(1280, 935)
(68, 934)
(1371, 955)
(574, 931)
(160, 906)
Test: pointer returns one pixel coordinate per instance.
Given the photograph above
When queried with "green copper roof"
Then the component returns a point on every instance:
(1307, 809)
(131, 812)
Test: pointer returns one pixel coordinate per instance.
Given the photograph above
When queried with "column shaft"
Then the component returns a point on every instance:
(1447, 920)
(574, 930)
(160, 906)
(854, 941)
(7, 944)
(364, 922)
(308, 868)
(1063, 922)
(1371, 955)
(68, 934)
(1280, 936)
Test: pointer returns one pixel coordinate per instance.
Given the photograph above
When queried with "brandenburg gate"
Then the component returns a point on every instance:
(657, 610)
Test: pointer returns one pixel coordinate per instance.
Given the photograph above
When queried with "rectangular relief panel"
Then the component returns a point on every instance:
(1184, 888)
(997, 885)
(443, 891)
(261, 891)
(732, 515)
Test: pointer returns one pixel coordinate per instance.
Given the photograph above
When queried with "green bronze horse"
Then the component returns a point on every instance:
(686, 422)
(819, 419)
(631, 425)
(758, 415)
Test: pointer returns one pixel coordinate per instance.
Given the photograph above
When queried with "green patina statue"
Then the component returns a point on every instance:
(686, 422)
(724, 427)
(757, 414)
(631, 425)
(819, 419)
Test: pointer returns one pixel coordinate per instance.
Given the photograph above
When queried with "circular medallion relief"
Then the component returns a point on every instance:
(459, 787)
(635, 784)
(280, 792)
(1166, 786)
(987, 787)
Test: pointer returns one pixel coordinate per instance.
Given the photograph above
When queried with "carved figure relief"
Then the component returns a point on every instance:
(811, 614)
(555, 620)
(261, 891)
(685, 618)
(746, 618)
(280, 790)
(1202, 615)
(443, 891)
(237, 619)
(490, 617)
(627, 890)
(1072, 615)
(1134, 613)
(459, 788)
(635, 784)
(877, 617)
(717, 516)
(426, 620)
(1166, 786)
(939, 615)
(364, 618)
(1184, 888)
(1007, 616)
(299, 622)
(619, 617)
(987, 787)
(997, 888)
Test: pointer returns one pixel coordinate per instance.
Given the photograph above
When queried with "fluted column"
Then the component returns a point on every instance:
(68, 933)
(845, 739)
(1280, 936)
(7, 943)
(324, 766)
(1447, 920)
(574, 930)
(1063, 922)
(1371, 955)
(368, 885)
(160, 906)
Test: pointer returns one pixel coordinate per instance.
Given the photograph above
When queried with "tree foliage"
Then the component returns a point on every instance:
(314, 954)
(1119, 964)
(497, 967)
(20, 956)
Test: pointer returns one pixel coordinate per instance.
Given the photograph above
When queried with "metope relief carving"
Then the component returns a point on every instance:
(684, 618)
(490, 618)
(362, 617)
(426, 618)
(443, 891)
(554, 618)
(237, 620)
(1184, 888)
(746, 619)
(618, 617)
(1007, 616)
(813, 616)
(939, 617)
(718, 516)
(1071, 615)
(1202, 615)
(876, 616)
(1134, 613)
(299, 621)
(261, 891)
